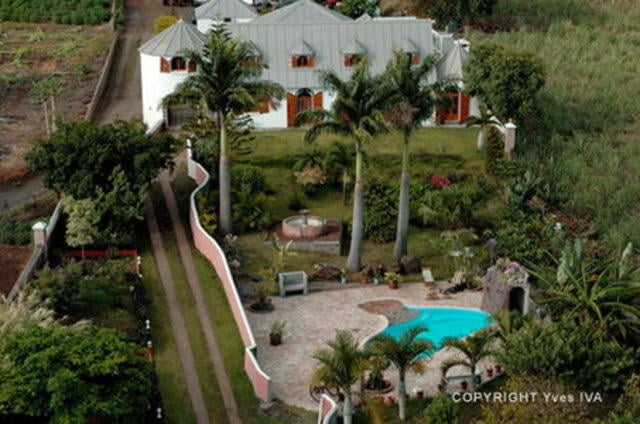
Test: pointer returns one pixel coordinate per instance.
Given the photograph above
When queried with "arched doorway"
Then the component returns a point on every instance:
(301, 101)
(516, 299)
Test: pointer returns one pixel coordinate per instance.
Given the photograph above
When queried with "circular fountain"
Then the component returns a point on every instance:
(304, 226)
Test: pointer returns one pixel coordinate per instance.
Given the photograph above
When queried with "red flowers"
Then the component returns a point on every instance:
(440, 181)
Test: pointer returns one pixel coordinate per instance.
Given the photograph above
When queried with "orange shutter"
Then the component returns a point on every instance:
(291, 109)
(264, 106)
(191, 66)
(317, 100)
(415, 59)
(294, 62)
(164, 65)
(312, 62)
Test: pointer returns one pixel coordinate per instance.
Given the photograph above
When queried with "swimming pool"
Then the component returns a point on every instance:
(442, 323)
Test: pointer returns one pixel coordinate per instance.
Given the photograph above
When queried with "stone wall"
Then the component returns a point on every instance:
(499, 283)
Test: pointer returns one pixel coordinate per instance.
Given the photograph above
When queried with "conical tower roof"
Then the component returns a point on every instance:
(451, 66)
(179, 38)
(220, 9)
(302, 11)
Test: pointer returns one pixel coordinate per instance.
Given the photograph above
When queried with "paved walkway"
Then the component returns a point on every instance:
(177, 320)
(184, 247)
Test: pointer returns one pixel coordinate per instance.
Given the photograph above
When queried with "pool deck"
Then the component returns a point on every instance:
(311, 321)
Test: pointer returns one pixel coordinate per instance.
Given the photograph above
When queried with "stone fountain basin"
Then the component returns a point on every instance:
(300, 227)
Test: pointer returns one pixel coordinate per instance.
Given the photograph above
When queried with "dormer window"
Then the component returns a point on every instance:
(304, 61)
(415, 58)
(352, 53)
(352, 59)
(302, 56)
(407, 47)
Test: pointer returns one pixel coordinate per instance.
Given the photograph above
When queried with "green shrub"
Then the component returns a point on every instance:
(380, 212)
(84, 12)
(248, 178)
(15, 233)
(442, 410)
(494, 150)
(249, 211)
(450, 207)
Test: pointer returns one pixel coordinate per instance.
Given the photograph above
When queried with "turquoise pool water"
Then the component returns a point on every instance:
(442, 323)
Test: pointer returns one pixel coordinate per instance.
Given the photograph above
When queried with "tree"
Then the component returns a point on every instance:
(45, 92)
(111, 164)
(417, 101)
(562, 350)
(341, 365)
(442, 409)
(506, 79)
(341, 159)
(357, 112)
(474, 349)
(81, 224)
(227, 85)
(458, 11)
(71, 375)
(356, 8)
(484, 120)
(163, 22)
(406, 354)
(604, 292)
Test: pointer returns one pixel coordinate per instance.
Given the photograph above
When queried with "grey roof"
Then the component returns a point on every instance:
(406, 46)
(354, 47)
(363, 18)
(301, 49)
(175, 40)
(220, 9)
(302, 11)
(379, 38)
(451, 65)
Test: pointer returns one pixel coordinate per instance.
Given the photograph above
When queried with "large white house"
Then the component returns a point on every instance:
(295, 42)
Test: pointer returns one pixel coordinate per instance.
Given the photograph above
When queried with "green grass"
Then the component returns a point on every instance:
(204, 367)
(171, 381)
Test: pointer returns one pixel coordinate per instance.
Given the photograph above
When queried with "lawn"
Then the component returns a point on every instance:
(434, 150)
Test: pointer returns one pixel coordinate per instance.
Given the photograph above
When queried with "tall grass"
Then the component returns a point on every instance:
(590, 51)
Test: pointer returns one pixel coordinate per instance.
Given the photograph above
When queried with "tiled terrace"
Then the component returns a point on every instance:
(312, 319)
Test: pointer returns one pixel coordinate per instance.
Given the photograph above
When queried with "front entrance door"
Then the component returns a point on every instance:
(303, 100)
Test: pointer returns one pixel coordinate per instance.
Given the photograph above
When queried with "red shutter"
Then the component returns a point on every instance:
(291, 109)
(294, 62)
(191, 67)
(317, 100)
(312, 62)
(464, 107)
(164, 65)
(415, 59)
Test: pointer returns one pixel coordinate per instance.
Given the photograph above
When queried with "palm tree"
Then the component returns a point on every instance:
(405, 354)
(417, 101)
(485, 119)
(341, 366)
(355, 113)
(606, 292)
(227, 86)
(508, 322)
(341, 158)
(475, 348)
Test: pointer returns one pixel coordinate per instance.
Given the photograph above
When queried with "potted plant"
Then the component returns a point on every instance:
(263, 289)
(375, 382)
(343, 277)
(276, 332)
(392, 279)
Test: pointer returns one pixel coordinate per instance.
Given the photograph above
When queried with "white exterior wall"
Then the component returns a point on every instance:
(474, 107)
(278, 118)
(155, 86)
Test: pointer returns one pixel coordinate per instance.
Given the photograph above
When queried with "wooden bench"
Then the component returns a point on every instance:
(292, 281)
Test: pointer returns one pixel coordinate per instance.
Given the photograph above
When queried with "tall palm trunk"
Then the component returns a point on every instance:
(402, 229)
(355, 250)
(345, 178)
(347, 412)
(46, 118)
(225, 182)
(53, 114)
(402, 396)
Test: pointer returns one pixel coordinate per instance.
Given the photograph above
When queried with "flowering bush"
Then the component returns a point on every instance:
(439, 181)
(311, 177)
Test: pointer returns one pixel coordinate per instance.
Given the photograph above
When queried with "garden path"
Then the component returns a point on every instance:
(184, 247)
(177, 320)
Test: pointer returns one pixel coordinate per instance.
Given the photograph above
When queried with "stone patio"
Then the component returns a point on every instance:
(312, 321)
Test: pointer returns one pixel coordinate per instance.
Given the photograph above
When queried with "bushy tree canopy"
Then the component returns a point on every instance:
(70, 375)
(506, 79)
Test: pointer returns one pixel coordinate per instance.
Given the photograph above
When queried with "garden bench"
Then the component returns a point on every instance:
(292, 281)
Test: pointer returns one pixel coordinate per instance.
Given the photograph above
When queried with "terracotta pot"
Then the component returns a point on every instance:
(275, 339)
(366, 280)
(393, 285)
(464, 385)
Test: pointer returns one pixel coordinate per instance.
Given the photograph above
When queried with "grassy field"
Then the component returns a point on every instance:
(434, 150)
(590, 51)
